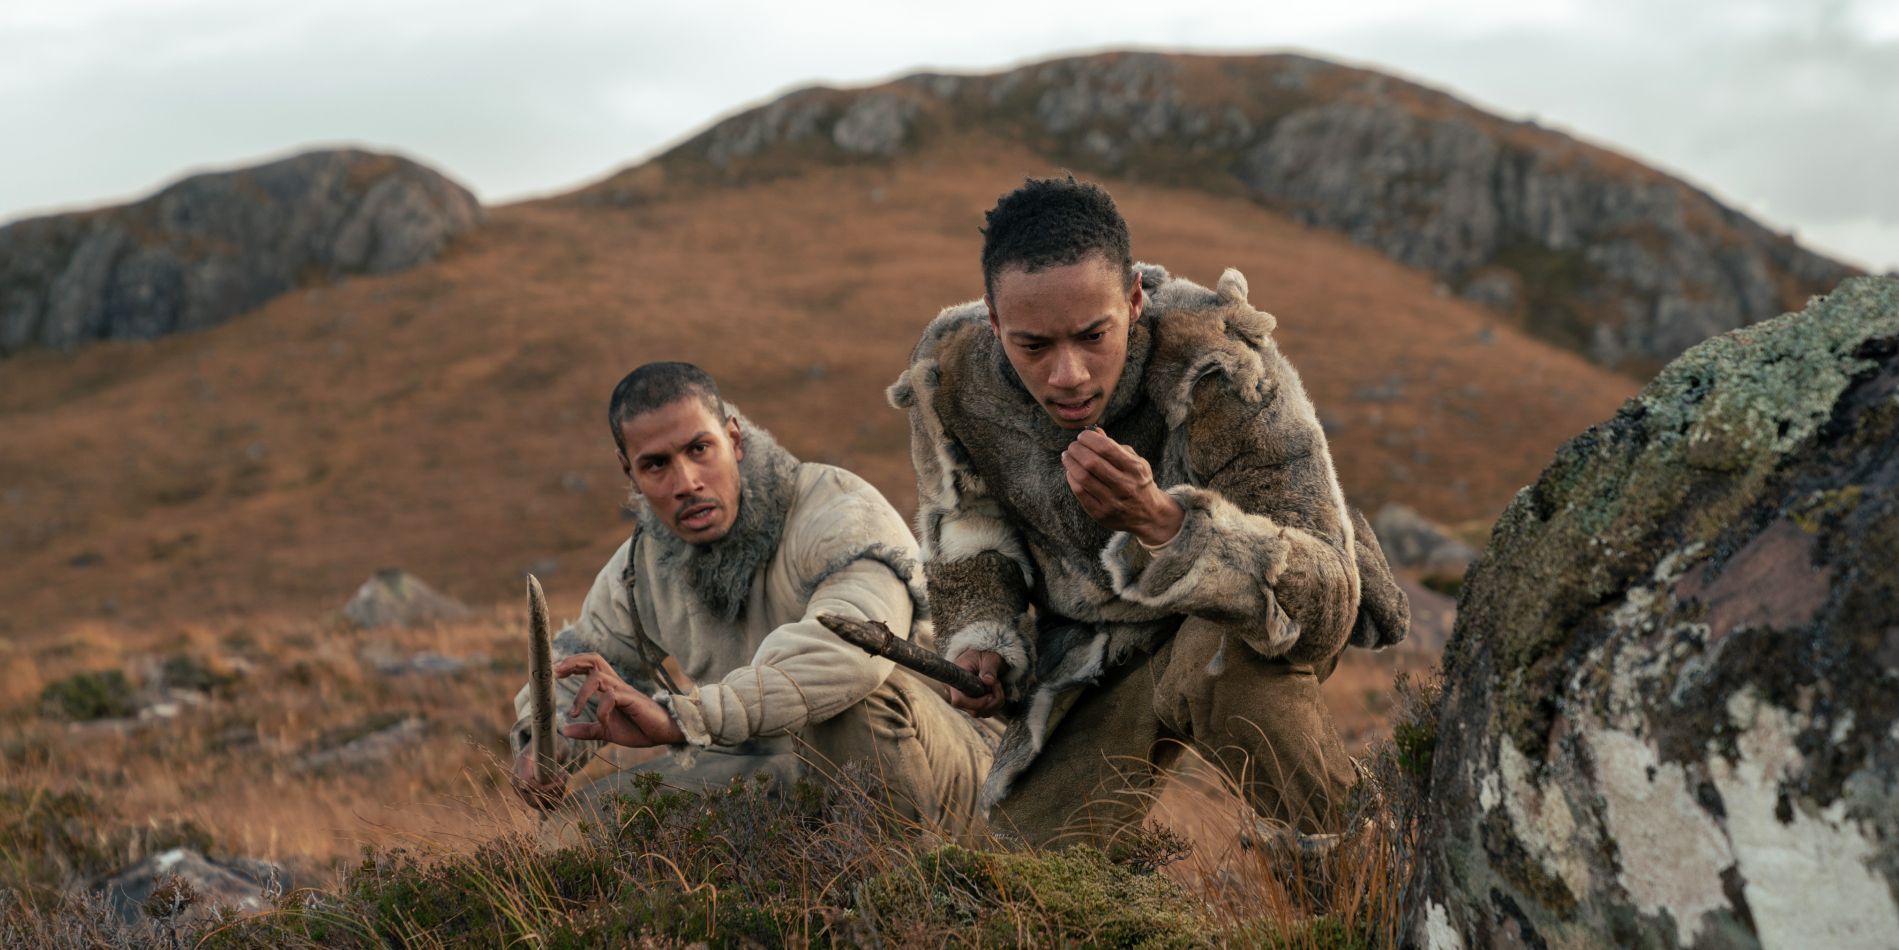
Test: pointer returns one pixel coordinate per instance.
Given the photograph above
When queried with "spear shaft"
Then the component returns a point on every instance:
(875, 638)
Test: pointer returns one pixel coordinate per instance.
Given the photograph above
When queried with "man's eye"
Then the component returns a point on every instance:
(1095, 337)
(1033, 347)
(698, 448)
(653, 465)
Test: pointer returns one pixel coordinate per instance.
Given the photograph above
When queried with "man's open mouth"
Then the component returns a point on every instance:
(697, 516)
(1073, 411)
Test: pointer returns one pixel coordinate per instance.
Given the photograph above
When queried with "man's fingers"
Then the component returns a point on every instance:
(593, 684)
(1126, 463)
(1110, 451)
(988, 665)
(584, 730)
(578, 663)
(1089, 492)
(1117, 478)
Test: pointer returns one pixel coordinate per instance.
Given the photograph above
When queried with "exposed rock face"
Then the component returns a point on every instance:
(213, 246)
(1587, 248)
(1414, 542)
(367, 751)
(396, 598)
(240, 884)
(1671, 714)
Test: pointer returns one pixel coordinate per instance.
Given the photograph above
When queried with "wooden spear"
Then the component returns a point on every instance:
(875, 638)
(541, 684)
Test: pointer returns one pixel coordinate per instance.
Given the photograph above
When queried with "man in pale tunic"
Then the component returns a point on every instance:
(739, 549)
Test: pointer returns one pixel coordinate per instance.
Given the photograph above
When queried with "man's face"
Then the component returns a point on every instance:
(684, 460)
(1065, 330)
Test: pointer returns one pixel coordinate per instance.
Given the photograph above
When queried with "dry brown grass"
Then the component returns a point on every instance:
(229, 762)
(228, 765)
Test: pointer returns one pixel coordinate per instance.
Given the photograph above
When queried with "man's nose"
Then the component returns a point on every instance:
(1069, 372)
(687, 480)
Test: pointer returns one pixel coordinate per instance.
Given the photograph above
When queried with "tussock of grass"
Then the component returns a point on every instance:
(93, 694)
(747, 866)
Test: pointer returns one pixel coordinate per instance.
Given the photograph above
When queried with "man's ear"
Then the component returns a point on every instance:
(626, 465)
(995, 328)
(1136, 298)
(737, 435)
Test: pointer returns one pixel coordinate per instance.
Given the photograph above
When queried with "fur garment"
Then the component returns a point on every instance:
(1268, 550)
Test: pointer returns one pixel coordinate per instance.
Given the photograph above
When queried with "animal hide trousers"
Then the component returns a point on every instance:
(1260, 721)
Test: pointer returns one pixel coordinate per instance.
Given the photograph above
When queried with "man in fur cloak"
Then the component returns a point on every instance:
(739, 548)
(1130, 520)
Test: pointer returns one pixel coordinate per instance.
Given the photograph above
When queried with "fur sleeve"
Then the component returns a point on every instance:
(1266, 546)
(851, 555)
(977, 569)
(1384, 612)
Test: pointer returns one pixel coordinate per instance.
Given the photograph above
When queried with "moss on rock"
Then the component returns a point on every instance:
(1669, 695)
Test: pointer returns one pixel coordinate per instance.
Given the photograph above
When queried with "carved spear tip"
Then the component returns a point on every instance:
(541, 683)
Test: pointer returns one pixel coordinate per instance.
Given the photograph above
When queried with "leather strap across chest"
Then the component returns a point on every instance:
(650, 653)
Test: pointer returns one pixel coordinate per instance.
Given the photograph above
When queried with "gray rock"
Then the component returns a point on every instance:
(367, 751)
(1414, 542)
(1671, 714)
(788, 121)
(875, 124)
(1497, 288)
(213, 246)
(240, 884)
(426, 663)
(395, 598)
(1432, 617)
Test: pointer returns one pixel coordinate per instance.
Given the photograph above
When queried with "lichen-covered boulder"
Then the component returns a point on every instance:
(1671, 714)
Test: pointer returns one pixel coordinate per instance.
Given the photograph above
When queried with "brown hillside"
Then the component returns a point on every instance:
(449, 419)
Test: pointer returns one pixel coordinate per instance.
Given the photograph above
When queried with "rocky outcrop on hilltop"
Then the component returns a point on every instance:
(1671, 714)
(1585, 247)
(213, 246)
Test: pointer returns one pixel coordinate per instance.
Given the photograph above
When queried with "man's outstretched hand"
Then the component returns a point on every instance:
(625, 715)
(1115, 486)
(988, 666)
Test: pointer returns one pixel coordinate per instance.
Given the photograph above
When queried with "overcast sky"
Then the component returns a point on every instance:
(1788, 109)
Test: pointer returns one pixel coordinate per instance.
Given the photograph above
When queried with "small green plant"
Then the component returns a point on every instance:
(95, 694)
(188, 672)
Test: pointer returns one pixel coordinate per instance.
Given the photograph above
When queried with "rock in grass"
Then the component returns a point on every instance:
(182, 882)
(1671, 712)
(396, 598)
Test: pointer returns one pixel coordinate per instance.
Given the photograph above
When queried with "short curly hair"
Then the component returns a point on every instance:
(1053, 222)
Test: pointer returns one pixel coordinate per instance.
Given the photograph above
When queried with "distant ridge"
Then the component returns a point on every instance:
(1586, 248)
(215, 245)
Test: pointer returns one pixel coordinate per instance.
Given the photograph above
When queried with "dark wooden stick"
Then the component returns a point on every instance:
(876, 639)
(541, 684)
